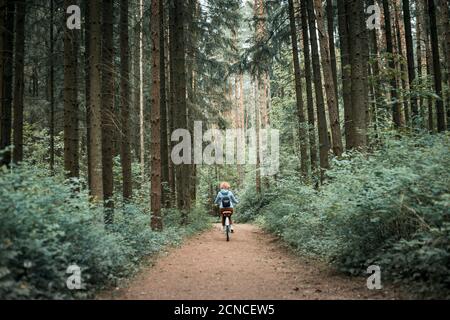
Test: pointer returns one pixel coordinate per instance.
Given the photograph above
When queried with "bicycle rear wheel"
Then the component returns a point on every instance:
(227, 228)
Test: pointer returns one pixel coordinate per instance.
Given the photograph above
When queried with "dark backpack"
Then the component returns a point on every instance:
(226, 201)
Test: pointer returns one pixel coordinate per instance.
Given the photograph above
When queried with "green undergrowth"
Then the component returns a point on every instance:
(45, 227)
(390, 208)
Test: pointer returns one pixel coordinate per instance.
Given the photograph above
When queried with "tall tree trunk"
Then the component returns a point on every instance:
(346, 73)
(155, 29)
(2, 54)
(125, 155)
(95, 101)
(324, 143)
(7, 83)
(309, 91)
(400, 65)
(377, 93)
(330, 86)
(359, 72)
(169, 106)
(182, 171)
(141, 91)
(261, 33)
(52, 90)
(428, 61)
(19, 81)
(330, 27)
(436, 66)
(410, 56)
(445, 18)
(191, 34)
(396, 109)
(299, 94)
(71, 112)
(260, 99)
(87, 88)
(108, 109)
(136, 83)
(163, 103)
(257, 129)
(419, 50)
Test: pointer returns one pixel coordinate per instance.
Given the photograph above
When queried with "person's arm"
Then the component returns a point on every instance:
(217, 199)
(233, 198)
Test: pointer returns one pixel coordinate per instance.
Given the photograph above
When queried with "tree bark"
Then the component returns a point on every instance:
(401, 69)
(257, 130)
(19, 81)
(125, 155)
(375, 85)
(87, 86)
(163, 110)
(410, 57)
(141, 91)
(396, 109)
(108, 109)
(309, 91)
(324, 143)
(436, 66)
(299, 94)
(136, 83)
(71, 134)
(445, 18)
(330, 27)
(182, 171)
(330, 86)
(95, 101)
(155, 29)
(2, 53)
(7, 83)
(346, 73)
(52, 90)
(359, 72)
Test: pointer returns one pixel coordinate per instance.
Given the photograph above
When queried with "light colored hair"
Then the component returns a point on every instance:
(224, 185)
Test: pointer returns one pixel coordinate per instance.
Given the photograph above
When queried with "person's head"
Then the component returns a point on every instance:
(224, 185)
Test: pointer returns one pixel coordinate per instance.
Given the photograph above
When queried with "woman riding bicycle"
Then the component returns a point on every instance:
(226, 199)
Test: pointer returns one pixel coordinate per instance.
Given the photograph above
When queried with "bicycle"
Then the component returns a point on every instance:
(227, 215)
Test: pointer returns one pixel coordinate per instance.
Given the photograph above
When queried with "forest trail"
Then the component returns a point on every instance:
(256, 266)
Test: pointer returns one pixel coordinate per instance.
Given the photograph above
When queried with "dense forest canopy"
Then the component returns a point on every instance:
(350, 98)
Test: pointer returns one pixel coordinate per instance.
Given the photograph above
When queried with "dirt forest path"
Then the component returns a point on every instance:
(253, 265)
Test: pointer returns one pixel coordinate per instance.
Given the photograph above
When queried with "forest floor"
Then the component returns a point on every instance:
(253, 265)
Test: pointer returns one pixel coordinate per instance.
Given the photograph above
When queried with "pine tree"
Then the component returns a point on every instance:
(299, 93)
(155, 28)
(95, 101)
(359, 72)
(19, 81)
(410, 55)
(346, 73)
(324, 143)
(51, 88)
(329, 81)
(436, 66)
(125, 156)
(71, 112)
(163, 109)
(108, 109)
(309, 91)
(182, 171)
(396, 108)
(7, 79)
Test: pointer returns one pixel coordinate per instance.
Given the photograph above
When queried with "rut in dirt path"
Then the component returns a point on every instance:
(253, 265)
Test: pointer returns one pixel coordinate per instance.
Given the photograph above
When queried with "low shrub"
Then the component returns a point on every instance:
(45, 227)
(389, 208)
